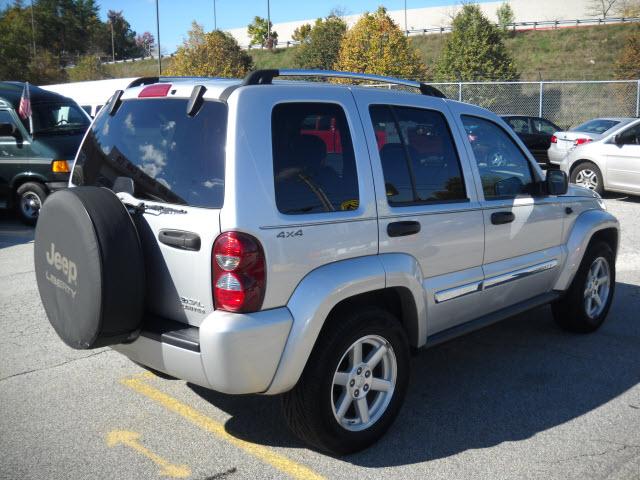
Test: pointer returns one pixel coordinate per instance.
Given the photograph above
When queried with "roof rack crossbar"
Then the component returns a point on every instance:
(265, 77)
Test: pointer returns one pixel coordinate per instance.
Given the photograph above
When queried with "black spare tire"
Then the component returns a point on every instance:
(89, 267)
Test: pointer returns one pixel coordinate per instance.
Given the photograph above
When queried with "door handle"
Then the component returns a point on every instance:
(180, 239)
(401, 229)
(500, 218)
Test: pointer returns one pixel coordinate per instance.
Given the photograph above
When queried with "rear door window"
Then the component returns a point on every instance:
(170, 156)
(418, 156)
(313, 159)
(519, 125)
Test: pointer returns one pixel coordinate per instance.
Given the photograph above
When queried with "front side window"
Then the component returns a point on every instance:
(13, 145)
(314, 163)
(418, 156)
(631, 136)
(543, 127)
(504, 169)
(170, 156)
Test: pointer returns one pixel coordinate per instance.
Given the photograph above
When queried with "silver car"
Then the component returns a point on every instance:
(609, 161)
(563, 142)
(297, 238)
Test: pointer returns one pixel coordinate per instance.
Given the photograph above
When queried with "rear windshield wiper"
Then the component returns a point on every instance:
(136, 206)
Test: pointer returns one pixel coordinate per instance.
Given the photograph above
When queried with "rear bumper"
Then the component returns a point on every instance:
(231, 352)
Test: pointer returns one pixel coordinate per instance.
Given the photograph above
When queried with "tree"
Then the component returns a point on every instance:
(124, 39)
(505, 16)
(474, 50)
(258, 32)
(628, 62)
(301, 34)
(376, 45)
(146, 43)
(45, 69)
(601, 8)
(213, 54)
(322, 47)
(628, 8)
(88, 68)
(15, 43)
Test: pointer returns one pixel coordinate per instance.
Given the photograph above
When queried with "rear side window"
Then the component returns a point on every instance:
(597, 126)
(313, 160)
(418, 156)
(519, 125)
(170, 156)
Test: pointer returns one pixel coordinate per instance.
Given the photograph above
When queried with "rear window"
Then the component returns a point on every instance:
(170, 156)
(596, 126)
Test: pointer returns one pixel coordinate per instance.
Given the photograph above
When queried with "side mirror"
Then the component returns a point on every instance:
(556, 182)
(7, 130)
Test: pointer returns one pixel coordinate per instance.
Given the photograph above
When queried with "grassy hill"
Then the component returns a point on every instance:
(584, 53)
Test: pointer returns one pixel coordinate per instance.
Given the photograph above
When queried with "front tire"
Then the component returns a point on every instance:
(588, 175)
(353, 385)
(584, 307)
(30, 197)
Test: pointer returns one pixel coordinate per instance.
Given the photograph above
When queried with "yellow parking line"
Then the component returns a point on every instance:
(285, 465)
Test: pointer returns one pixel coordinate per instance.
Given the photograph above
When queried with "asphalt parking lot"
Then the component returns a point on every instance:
(517, 400)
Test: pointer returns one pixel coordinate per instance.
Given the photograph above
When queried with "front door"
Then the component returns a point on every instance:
(523, 231)
(426, 198)
(623, 161)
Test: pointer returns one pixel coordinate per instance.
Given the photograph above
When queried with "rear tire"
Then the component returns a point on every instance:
(374, 387)
(579, 310)
(588, 175)
(30, 197)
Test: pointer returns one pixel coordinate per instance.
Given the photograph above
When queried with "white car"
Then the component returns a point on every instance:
(562, 143)
(610, 161)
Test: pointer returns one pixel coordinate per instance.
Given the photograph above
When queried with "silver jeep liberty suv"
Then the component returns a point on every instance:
(300, 238)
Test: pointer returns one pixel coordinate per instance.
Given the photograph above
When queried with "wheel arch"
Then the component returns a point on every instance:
(590, 226)
(330, 290)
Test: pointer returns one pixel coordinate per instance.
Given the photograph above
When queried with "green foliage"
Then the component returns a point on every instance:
(321, 49)
(505, 16)
(45, 69)
(475, 50)
(258, 32)
(215, 54)
(376, 45)
(88, 68)
(628, 61)
(15, 43)
(301, 34)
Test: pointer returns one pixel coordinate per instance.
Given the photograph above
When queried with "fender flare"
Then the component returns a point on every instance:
(585, 227)
(322, 289)
(24, 177)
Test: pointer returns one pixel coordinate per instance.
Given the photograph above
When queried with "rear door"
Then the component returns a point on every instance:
(623, 160)
(426, 197)
(151, 151)
(523, 231)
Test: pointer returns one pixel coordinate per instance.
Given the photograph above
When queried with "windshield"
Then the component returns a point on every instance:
(57, 118)
(597, 126)
(170, 156)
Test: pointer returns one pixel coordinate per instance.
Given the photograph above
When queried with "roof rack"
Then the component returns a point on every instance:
(265, 77)
(151, 80)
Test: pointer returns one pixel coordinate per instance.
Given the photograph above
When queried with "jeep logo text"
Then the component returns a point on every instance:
(63, 264)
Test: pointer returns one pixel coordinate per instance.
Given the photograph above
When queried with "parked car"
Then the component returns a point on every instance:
(90, 95)
(535, 133)
(610, 161)
(564, 142)
(207, 236)
(32, 165)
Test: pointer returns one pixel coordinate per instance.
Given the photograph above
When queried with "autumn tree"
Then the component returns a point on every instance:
(628, 62)
(258, 31)
(301, 34)
(146, 43)
(322, 47)
(212, 54)
(376, 45)
(474, 50)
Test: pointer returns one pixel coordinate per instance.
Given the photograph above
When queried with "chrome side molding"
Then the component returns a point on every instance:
(468, 288)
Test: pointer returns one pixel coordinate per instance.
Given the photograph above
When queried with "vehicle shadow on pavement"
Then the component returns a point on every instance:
(12, 231)
(504, 383)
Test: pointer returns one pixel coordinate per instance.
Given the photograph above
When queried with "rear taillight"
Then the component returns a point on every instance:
(581, 141)
(554, 139)
(239, 280)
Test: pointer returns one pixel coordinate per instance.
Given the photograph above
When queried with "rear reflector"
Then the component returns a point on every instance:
(60, 166)
(155, 90)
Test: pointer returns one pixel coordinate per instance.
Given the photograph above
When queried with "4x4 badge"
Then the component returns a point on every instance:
(290, 233)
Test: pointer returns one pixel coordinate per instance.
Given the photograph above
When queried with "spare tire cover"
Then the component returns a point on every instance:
(89, 267)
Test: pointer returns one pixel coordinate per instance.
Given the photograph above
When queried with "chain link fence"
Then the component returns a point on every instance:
(565, 103)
